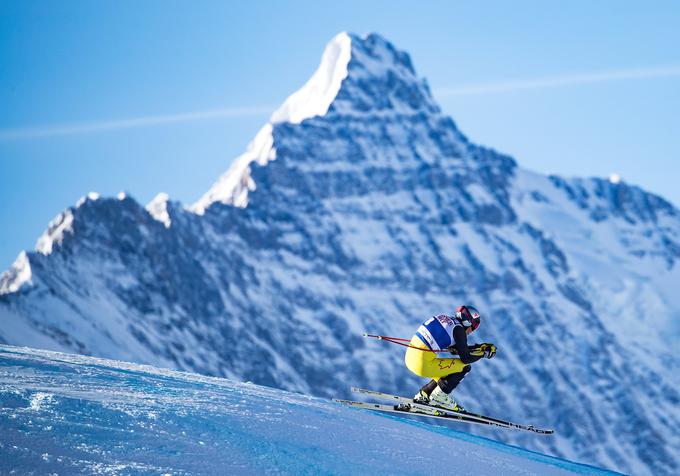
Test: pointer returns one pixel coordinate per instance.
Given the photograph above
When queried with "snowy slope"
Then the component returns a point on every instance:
(68, 414)
(361, 207)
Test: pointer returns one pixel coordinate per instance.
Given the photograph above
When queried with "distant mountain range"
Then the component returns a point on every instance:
(361, 207)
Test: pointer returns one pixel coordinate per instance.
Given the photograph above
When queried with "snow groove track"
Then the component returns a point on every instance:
(70, 414)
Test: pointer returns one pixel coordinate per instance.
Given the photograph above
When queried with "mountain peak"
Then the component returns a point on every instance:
(357, 76)
(19, 274)
(357, 73)
(314, 98)
(158, 209)
(381, 78)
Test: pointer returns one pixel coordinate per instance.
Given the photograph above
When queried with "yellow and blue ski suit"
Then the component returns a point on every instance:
(440, 333)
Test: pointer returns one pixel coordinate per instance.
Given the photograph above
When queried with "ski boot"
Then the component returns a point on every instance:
(442, 400)
(421, 397)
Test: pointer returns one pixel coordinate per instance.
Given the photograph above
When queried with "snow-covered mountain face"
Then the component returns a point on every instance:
(361, 207)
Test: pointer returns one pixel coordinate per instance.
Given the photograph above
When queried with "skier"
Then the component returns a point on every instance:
(439, 333)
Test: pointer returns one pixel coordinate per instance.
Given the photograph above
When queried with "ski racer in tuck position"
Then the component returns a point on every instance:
(440, 333)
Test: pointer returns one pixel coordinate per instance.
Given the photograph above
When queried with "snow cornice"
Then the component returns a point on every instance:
(18, 275)
(318, 93)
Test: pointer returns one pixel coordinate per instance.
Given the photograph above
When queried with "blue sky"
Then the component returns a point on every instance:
(112, 96)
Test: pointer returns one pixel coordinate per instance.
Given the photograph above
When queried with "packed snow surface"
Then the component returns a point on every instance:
(67, 414)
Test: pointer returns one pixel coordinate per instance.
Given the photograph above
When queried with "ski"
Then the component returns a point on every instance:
(415, 411)
(469, 416)
(389, 396)
(420, 406)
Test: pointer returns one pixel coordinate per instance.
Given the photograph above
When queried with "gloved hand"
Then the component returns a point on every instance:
(475, 349)
(488, 350)
(452, 349)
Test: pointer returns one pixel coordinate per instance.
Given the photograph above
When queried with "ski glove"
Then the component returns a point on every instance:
(475, 348)
(488, 350)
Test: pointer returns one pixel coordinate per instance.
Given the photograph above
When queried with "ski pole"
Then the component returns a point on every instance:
(400, 341)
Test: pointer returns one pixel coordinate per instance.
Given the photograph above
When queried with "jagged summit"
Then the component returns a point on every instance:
(381, 78)
(357, 76)
(80, 225)
(158, 208)
(18, 275)
(314, 98)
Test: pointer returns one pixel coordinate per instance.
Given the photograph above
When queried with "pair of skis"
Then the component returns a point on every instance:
(408, 406)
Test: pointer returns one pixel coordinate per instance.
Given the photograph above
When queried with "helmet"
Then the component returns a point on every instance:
(468, 316)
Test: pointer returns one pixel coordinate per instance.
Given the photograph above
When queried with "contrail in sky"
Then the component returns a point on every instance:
(556, 81)
(36, 132)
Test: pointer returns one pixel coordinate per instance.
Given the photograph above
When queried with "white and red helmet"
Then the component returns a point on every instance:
(468, 317)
